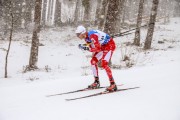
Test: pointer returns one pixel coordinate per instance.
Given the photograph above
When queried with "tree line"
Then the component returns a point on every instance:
(111, 16)
(93, 12)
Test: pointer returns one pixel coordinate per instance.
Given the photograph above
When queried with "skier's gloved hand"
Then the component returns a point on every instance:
(83, 47)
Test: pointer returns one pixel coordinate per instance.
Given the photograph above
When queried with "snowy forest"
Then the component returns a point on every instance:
(57, 13)
(45, 75)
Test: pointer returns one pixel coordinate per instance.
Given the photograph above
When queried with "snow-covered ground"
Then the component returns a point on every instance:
(63, 67)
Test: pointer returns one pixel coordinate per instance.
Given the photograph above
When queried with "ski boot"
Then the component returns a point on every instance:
(112, 87)
(95, 85)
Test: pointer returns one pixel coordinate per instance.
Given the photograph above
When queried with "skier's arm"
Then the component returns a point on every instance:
(95, 45)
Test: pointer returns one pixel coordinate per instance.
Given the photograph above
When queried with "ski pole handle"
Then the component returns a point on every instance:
(82, 47)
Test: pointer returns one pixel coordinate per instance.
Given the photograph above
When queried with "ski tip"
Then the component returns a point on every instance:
(69, 100)
(48, 95)
(135, 87)
(130, 88)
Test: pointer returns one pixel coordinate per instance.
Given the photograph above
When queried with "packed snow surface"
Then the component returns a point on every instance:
(63, 67)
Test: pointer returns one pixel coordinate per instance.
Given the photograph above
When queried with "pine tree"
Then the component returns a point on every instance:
(151, 24)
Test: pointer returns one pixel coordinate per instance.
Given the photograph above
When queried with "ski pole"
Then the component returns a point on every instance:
(123, 33)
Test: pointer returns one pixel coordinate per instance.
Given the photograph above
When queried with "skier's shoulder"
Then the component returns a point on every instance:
(92, 32)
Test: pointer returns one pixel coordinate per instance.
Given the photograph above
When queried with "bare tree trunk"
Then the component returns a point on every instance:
(86, 4)
(35, 38)
(98, 8)
(1, 9)
(18, 16)
(119, 16)
(10, 39)
(177, 8)
(28, 13)
(76, 13)
(111, 17)
(57, 19)
(44, 13)
(51, 14)
(49, 11)
(166, 10)
(102, 15)
(151, 24)
(138, 25)
(128, 10)
(123, 13)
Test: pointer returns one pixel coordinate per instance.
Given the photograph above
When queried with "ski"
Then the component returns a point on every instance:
(101, 93)
(80, 90)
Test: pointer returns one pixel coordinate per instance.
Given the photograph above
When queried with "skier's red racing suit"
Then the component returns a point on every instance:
(102, 46)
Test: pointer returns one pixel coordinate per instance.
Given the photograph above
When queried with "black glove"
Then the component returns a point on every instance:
(83, 47)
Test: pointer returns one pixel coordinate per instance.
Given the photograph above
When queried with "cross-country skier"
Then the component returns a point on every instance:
(102, 46)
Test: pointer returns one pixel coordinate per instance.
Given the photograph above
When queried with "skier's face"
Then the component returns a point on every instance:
(82, 36)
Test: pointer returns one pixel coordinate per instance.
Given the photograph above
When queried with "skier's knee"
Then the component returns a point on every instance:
(94, 61)
(104, 64)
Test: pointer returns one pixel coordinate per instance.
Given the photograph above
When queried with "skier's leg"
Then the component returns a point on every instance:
(105, 60)
(96, 57)
(94, 66)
